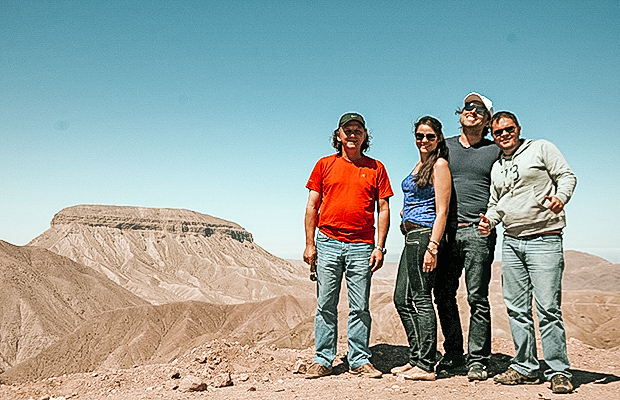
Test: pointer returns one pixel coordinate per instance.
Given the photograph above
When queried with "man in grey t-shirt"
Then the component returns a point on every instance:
(471, 157)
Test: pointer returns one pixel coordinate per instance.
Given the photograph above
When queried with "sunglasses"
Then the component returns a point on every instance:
(510, 130)
(473, 106)
(429, 136)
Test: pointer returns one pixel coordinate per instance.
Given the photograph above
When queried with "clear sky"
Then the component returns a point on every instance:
(223, 107)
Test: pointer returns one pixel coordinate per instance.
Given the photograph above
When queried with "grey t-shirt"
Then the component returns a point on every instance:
(471, 174)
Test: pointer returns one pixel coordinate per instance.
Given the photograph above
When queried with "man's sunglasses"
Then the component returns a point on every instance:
(473, 106)
(429, 136)
(509, 130)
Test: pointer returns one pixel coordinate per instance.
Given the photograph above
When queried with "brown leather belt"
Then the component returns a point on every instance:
(406, 226)
(556, 232)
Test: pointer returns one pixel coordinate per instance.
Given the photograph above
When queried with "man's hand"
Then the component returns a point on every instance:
(310, 254)
(376, 260)
(555, 204)
(484, 226)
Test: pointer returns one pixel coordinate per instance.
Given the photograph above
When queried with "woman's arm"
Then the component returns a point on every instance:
(442, 181)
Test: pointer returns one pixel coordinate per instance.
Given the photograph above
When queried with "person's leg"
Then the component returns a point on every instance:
(545, 260)
(478, 256)
(357, 274)
(517, 290)
(404, 303)
(420, 284)
(447, 276)
(329, 277)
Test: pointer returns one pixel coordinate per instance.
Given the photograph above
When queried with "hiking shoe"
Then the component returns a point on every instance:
(477, 372)
(317, 370)
(418, 374)
(401, 369)
(367, 370)
(561, 384)
(512, 377)
(451, 361)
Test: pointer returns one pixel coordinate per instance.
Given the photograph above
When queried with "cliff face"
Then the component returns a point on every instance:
(166, 255)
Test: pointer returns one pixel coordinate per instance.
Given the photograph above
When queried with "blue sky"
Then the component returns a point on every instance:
(223, 107)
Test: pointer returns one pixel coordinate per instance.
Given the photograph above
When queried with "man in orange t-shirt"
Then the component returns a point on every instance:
(345, 189)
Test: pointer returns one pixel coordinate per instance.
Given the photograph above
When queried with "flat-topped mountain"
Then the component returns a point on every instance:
(168, 255)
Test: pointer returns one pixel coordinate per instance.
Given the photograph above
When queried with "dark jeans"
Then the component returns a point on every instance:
(412, 298)
(473, 253)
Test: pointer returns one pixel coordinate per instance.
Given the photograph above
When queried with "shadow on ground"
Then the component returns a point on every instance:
(386, 356)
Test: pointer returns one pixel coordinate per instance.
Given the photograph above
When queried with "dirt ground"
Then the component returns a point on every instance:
(224, 370)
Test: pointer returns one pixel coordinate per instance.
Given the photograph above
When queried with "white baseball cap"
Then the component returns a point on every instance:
(473, 96)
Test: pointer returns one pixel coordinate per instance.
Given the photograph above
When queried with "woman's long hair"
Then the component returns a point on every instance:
(425, 173)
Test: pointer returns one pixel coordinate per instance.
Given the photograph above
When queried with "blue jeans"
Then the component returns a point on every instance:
(412, 298)
(535, 265)
(335, 259)
(472, 253)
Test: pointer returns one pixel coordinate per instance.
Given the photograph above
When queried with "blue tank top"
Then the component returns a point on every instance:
(419, 203)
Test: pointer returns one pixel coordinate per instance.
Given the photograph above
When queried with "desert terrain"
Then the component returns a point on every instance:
(138, 303)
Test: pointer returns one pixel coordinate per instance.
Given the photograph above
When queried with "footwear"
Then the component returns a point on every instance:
(367, 370)
(561, 384)
(477, 372)
(512, 377)
(418, 374)
(401, 369)
(450, 361)
(317, 370)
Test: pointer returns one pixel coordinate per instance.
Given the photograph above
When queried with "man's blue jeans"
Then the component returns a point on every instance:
(473, 253)
(335, 259)
(535, 265)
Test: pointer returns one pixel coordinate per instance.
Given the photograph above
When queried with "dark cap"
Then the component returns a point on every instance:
(348, 117)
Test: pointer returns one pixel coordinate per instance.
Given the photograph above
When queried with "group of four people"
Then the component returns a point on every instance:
(456, 194)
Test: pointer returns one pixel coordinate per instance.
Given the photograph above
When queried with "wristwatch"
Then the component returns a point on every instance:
(432, 251)
(381, 249)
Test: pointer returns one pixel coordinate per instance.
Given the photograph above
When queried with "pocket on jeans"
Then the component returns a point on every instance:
(321, 237)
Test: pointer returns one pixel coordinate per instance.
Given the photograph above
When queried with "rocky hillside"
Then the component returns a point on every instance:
(44, 296)
(151, 334)
(168, 255)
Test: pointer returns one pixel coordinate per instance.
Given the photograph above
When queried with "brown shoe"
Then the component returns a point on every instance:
(367, 370)
(561, 384)
(512, 377)
(317, 370)
(418, 374)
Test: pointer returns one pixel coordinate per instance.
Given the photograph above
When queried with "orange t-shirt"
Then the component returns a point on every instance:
(348, 194)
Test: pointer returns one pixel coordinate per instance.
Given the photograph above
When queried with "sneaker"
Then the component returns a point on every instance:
(477, 372)
(451, 361)
(317, 370)
(418, 374)
(367, 370)
(401, 369)
(561, 384)
(512, 377)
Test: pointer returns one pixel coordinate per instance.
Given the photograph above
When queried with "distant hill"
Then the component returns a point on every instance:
(44, 296)
(151, 334)
(169, 255)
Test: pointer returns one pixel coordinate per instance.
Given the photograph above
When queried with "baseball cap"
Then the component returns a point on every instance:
(351, 117)
(473, 96)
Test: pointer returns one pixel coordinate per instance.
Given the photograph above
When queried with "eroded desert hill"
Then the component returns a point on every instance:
(44, 296)
(168, 255)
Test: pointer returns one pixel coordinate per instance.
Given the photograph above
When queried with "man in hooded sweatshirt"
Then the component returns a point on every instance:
(530, 184)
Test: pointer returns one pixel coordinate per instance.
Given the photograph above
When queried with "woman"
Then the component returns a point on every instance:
(425, 212)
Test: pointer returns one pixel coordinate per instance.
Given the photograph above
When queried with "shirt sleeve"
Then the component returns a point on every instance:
(315, 182)
(385, 188)
(559, 171)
